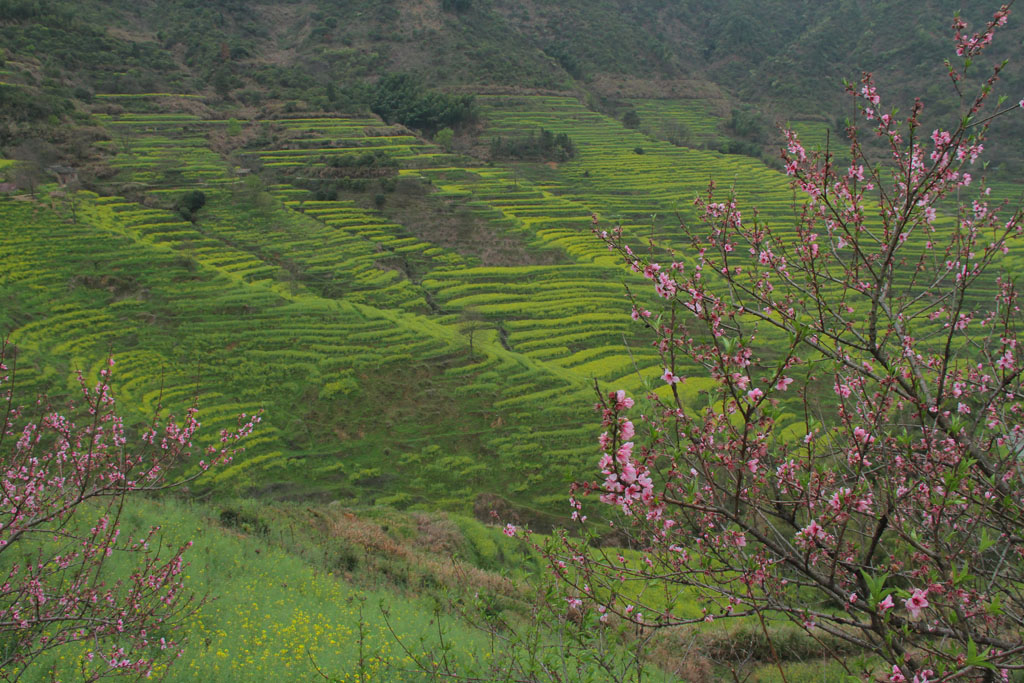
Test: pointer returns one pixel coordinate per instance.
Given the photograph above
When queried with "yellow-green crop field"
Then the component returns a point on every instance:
(366, 342)
(694, 123)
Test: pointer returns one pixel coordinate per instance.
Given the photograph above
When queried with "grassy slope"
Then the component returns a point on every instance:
(290, 585)
(275, 607)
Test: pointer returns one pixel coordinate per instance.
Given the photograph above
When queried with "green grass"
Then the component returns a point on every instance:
(270, 613)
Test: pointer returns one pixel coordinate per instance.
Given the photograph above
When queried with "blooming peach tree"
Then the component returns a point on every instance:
(857, 465)
(66, 477)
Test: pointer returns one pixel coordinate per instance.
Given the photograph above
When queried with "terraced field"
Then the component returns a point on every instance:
(162, 151)
(315, 140)
(650, 192)
(689, 123)
(391, 368)
(819, 137)
(274, 300)
(611, 178)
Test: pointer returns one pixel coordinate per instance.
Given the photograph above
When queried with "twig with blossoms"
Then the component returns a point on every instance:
(56, 586)
(891, 516)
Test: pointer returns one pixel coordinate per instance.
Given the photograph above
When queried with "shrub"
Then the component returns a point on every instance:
(190, 203)
(457, 6)
(444, 138)
(402, 98)
(542, 145)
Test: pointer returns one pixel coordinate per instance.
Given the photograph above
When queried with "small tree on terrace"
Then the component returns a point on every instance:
(887, 509)
(66, 475)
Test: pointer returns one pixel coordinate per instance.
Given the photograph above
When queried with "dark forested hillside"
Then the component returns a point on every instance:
(784, 59)
(768, 51)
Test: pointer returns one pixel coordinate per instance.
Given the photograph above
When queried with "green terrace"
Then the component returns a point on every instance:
(326, 257)
(309, 142)
(391, 368)
(649, 193)
(163, 150)
(180, 329)
(333, 249)
(612, 179)
(817, 136)
(496, 193)
(684, 123)
(189, 313)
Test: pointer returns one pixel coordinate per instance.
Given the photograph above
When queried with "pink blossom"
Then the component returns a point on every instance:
(670, 378)
(813, 530)
(754, 394)
(863, 505)
(783, 383)
(861, 435)
(510, 530)
(622, 402)
(625, 452)
(886, 604)
(940, 138)
(917, 602)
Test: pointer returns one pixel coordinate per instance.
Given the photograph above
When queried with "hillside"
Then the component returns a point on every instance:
(765, 62)
(255, 243)
(373, 222)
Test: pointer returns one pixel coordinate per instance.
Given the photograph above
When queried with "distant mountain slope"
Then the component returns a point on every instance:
(790, 53)
(765, 61)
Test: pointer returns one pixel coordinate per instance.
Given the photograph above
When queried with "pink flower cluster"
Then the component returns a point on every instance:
(61, 466)
(855, 405)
